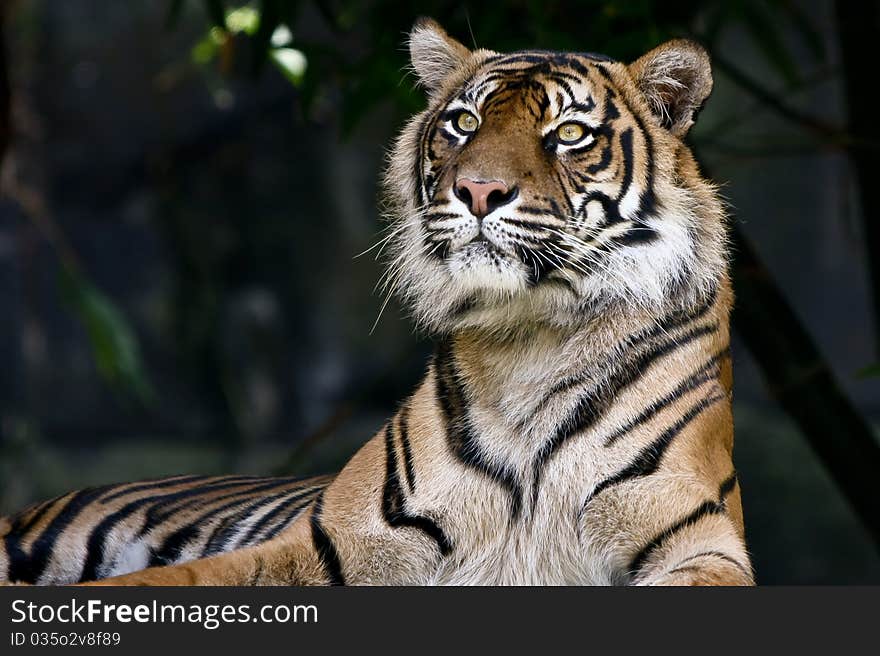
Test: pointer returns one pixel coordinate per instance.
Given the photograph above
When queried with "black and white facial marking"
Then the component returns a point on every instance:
(539, 191)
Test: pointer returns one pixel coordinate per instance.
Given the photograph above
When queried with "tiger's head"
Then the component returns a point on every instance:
(546, 187)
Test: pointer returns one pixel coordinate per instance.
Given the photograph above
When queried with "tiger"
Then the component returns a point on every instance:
(551, 231)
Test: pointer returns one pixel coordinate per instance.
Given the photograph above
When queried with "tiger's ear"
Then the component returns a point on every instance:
(434, 54)
(676, 79)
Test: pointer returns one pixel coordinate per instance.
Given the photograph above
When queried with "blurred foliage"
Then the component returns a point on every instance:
(871, 371)
(114, 343)
(245, 21)
(357, 61)
(360, 58)
(352, 59)
(215, 185)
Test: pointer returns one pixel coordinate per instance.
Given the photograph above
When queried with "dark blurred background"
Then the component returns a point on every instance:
(185, 185)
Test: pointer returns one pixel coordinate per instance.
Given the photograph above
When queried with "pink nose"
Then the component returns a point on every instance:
(483, 197)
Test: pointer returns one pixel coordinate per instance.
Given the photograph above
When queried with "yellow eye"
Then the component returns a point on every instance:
(570, 132)
(467, 122)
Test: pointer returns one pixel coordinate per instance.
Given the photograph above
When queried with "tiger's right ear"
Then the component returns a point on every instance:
(434, 54)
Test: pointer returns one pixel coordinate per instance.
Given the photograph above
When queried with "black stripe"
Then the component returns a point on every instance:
(160, 483)
(22, 526)
(292, 514)
(232, 513)
(170, 549)
(604, 72)
(592, 406)
(530, 209)
(393, 503)
(29, 567)
(324, 546)
(531, 227)
(637, 233)
(419, 164)
(100, 533)
(239, 498)
(403, 431)
(626, 145)
(172, 505)
(705, 509)
(460, 435)
(715, 554)
(18, 559)
(647, 199)
(667, 324)
(302, 498)
(648, 459)
(726, 487)
(440, 216)
(174, 543)
(604, 160)
(611, 111)
(704, 374)
(306, 498)
(220, 540)
(177, 506)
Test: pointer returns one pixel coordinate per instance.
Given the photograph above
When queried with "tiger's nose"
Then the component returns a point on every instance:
(483, 197)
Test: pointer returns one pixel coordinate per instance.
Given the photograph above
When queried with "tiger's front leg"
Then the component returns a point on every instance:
(693, 536)
(673, 527)
(676, 535)
(704, 568)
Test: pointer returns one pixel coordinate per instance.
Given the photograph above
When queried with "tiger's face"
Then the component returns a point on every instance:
(542, 187)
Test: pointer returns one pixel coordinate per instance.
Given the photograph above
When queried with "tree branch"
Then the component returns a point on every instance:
(772, 101)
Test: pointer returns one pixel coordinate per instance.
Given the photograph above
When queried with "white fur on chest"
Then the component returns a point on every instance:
(544, 544)
(545, 549)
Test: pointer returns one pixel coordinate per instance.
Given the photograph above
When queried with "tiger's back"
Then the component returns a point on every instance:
(115, 529)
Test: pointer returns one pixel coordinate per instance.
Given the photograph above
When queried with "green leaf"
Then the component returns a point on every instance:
(114, 344)
(871, 371)
(205, 50)
(243, 20)
(291, 62)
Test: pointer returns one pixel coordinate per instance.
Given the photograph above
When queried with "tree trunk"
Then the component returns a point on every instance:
(857, 29)
(803, 384)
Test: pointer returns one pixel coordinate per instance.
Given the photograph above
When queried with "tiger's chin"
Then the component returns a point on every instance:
(491, 313)
(480, 286)
(480, 297)
(482, 268)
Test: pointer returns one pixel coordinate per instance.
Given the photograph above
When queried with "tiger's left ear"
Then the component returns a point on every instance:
(434, 54)
(676, 79)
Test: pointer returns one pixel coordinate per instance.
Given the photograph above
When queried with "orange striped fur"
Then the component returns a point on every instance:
(550, 228)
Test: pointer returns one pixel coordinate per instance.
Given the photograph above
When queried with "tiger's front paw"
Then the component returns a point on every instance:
(693, 576)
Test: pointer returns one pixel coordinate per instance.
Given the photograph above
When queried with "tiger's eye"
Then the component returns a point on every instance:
(570, 132)
(467, 122)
